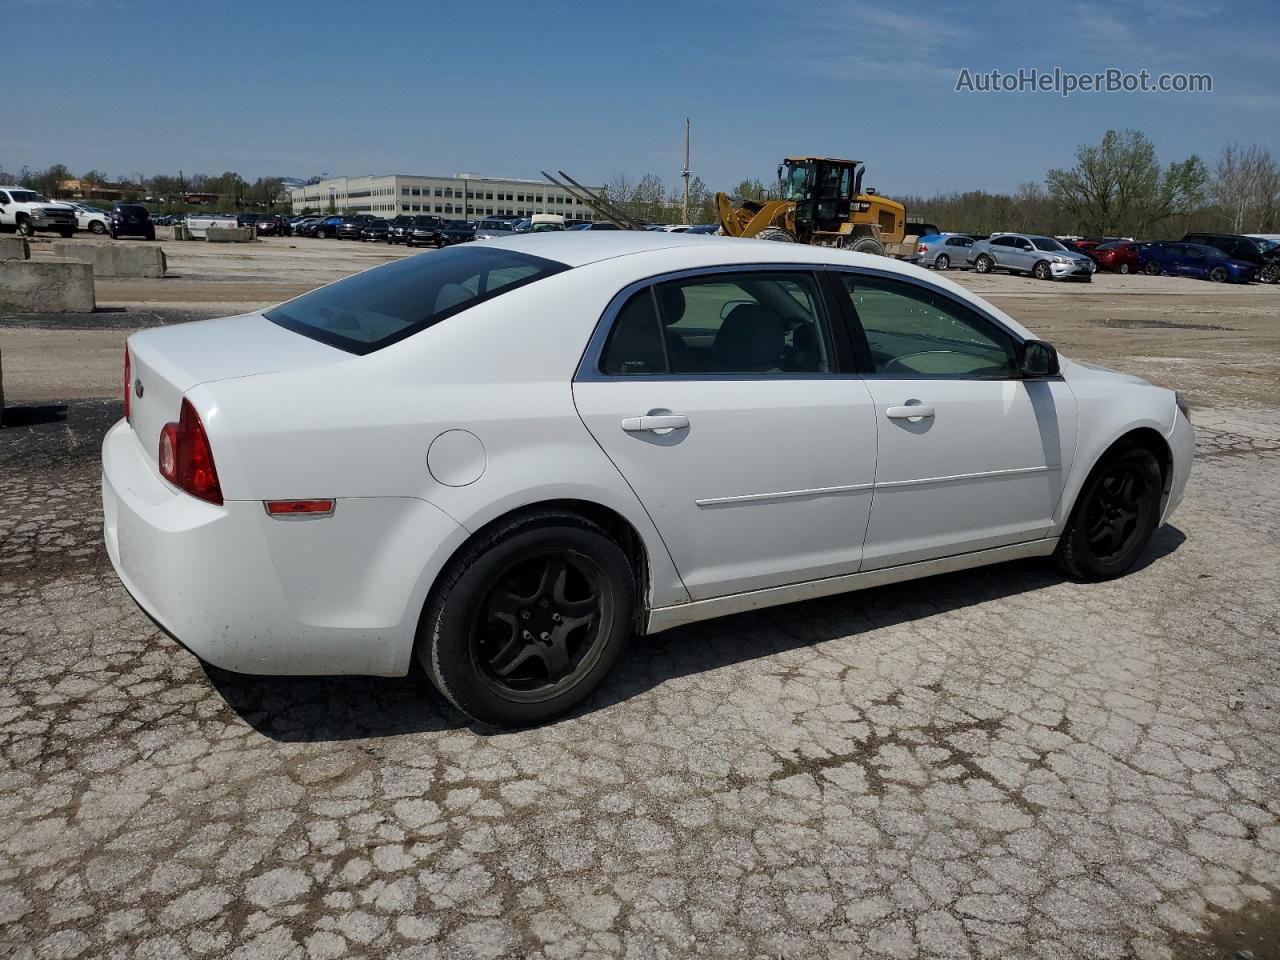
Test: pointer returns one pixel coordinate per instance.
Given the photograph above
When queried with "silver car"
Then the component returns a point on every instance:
(942, 251)
(1042, 257)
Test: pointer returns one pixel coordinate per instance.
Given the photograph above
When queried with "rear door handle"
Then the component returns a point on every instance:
(916, 411)
(663, 423)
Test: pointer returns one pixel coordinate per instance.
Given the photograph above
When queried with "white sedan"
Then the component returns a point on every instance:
(505, 458)
(89, 218)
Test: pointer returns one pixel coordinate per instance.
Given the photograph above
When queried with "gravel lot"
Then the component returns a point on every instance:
(998, 763)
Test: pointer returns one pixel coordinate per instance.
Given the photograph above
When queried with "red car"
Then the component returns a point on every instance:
(1118, 256)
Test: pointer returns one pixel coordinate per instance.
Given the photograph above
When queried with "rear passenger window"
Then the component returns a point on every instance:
(746, 323)
(635, 346)
(767, 324)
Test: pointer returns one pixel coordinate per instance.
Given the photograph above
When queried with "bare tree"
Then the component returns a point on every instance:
(1246, 185)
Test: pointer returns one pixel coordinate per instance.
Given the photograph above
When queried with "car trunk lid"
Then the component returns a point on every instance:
(166, 362)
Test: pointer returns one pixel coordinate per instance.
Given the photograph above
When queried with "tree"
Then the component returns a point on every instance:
(1246, 186)
(1117, 186)
(702, 204)
(751, 189)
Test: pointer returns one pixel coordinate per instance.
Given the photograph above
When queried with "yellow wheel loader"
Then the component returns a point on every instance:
(822, 203)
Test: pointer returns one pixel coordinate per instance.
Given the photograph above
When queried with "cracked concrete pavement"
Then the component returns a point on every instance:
(998, 763)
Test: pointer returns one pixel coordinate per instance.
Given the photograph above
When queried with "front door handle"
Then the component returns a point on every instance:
(914, 411)
(664, 423)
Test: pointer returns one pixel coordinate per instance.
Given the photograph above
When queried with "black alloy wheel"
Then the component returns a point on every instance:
(1114, 517)
(537, 629)
(528, 619)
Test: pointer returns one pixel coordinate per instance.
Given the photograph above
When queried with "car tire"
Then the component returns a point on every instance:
(1270, 273)
(984, 264)
(1113, 517)
(535, 572)
(1153, 269)
(942, 262)
(1041, 271)
(25, 228)
(1123, 268)
(780, 234)
(867, 245)
(98, 227)
(1218, 275)
(66, 233)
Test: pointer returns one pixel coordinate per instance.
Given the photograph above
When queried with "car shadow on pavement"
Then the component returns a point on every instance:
(319, 709)
(34, 416)
(714, 644)
(316, 709)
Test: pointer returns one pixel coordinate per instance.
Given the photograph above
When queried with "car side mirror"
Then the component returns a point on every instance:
(1038, 359)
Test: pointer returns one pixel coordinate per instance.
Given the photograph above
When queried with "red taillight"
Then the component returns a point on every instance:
(128, 382)
(924, 248)
(185, 457)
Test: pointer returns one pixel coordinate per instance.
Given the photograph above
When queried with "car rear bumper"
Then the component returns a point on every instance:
(253, 594)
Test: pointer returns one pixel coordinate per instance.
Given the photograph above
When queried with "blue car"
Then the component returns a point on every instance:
(1193, 260)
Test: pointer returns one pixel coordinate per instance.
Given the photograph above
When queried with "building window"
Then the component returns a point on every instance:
(404, 207)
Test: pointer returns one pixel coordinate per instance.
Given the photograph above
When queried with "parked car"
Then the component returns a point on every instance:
(704, 228)
(352, 227)
(376, 230)
(1042, 257)
(495, 228)
(26, 212)
(93, 219)
(131, 220)
(425, 230)
(1264, 256)
(456, 231)
(271, 225)
(326, 227)
(1194, 260)
(1119, 256)
(942, 251)
(398, 231)
(537, 445)
(301, 225)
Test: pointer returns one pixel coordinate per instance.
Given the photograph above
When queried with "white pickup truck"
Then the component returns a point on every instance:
(27, 211)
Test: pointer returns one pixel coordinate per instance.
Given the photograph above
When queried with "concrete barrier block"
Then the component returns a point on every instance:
(14, 248)
(46, 286)
(114, 259)
(231, 235)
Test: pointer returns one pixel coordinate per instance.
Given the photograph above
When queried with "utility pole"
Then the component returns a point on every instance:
(685, 173)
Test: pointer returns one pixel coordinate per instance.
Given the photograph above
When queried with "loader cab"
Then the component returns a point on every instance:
(824, 192)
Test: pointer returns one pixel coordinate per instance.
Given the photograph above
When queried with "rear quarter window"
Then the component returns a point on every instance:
(374, 309)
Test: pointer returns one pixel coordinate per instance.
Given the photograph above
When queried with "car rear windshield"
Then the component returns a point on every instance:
(371, 310)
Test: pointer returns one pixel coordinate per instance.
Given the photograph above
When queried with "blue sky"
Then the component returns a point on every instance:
(290, 88)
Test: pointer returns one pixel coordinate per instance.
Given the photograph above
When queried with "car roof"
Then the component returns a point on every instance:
(661, 252)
